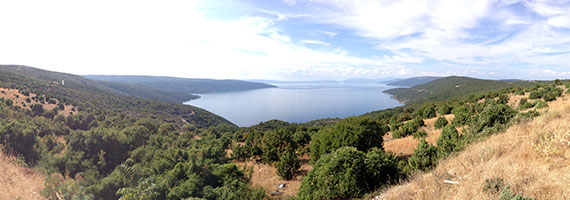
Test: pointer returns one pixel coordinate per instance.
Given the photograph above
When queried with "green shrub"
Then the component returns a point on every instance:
(524, 104)
(239, 152)
(540, 104)
(428, 111)
(424, 157)
(460, 119)
(349, 173)
(444, 109)
(288, 165)
(410, 128)
(440, 122)
(449, 141)
(339, 175)
(360, 132)
(507, 194)
(549, 96)
(537, 94)
(493, 185)
(420, 134)
(492, 116)
(398, 134)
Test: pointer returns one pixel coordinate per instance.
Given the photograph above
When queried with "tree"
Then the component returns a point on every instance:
(340, 175)
(440, 122)
(275, 143)
(448, 141)
(349, 173)
(492, 116)
(428, 111)
(444, 109)
(288, 165)
(420, 134)
(381, 169)
(360, 132)
(424, 157)
(38, 109)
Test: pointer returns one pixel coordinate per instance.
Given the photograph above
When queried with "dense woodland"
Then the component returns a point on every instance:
(124, 147)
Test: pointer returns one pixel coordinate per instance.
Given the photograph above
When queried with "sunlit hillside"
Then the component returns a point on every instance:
(532, 158)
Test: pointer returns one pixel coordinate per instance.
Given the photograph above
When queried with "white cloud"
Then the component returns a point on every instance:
(316, 42)
(443, 30)
(156, 38)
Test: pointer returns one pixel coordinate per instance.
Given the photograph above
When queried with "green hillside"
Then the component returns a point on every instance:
(149, 93)
(184, 85)
(448, 88)
(88, 94)
(410, 82)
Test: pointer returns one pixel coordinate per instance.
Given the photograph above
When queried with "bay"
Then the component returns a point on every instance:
(296, 102)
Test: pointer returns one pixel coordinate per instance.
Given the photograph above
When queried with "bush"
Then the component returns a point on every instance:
(540, 104)
(349, 173)
(549, 96)
(493, 185)
(440, 122)
(507, 194)
(239, 152)
(420, 134)
(288, 165)
(460, 119)
(424, 157)
(537, 94)
(492, 116)
(397, 134)
(524, 104)
(448, 141)
(428, 111)
(339, 175)
(444, 109)
(362, 133)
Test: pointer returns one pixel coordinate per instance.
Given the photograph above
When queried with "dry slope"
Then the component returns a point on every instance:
(18, 182)
(532, 157)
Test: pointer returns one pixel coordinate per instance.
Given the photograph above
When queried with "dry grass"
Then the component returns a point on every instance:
(265, 175)
(404, 147)
(20, 100)
(533, 157)
(18, 182)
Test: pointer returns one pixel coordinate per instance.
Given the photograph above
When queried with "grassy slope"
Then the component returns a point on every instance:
(185, 85)
(94, 95)
(18, 182)
(453, 87)
(532, 157)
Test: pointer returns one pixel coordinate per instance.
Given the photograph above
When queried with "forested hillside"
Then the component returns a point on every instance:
(448, 88)
(410, 82)
(94, 97)
(185, 85)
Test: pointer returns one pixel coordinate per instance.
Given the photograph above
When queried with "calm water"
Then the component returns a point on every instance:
(296, 102)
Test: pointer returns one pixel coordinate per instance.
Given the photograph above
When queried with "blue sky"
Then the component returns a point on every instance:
(291, 39)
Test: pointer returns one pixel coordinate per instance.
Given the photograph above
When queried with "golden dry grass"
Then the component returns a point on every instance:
(533, 158)
(265, 175)
(18, 182)
(403, 147)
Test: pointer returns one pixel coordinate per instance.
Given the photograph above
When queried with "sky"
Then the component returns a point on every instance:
(290, 39)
